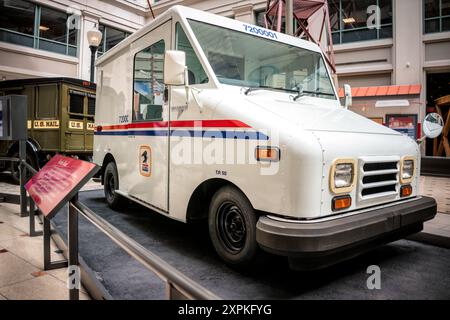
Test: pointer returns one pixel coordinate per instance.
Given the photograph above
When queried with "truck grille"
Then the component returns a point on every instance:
(379, 179)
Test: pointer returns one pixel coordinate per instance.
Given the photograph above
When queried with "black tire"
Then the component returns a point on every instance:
(111, 184)
(14, 167)
(232, 227)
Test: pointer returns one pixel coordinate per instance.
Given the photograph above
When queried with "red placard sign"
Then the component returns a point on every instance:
(59, 181)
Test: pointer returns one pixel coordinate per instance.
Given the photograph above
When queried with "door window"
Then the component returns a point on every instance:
(195, 69)
(148, 86)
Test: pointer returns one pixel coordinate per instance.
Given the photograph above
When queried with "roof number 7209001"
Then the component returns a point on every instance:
(260, 31)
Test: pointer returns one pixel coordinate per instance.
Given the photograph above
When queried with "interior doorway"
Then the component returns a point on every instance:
(438, 85)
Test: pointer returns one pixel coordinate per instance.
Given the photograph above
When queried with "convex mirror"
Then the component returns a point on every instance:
(433, 124)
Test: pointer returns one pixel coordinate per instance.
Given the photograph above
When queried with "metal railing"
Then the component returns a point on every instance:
(178, 285)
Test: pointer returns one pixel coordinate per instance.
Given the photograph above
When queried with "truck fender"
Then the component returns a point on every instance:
(198, 205)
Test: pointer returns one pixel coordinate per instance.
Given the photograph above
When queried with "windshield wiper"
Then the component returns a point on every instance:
(251, 89)
(300, 92)
(318, 92)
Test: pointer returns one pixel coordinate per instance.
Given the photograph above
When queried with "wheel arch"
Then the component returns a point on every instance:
(106, 160)
(200, 199)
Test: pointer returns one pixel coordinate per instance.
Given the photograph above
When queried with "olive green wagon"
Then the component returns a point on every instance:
(60, 120)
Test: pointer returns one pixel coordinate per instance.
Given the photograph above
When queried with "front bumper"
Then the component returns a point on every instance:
(327, 241)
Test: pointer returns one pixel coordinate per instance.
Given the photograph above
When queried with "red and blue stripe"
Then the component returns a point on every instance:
(227, 129)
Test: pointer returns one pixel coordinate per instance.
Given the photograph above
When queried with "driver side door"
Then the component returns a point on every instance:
(148, 148)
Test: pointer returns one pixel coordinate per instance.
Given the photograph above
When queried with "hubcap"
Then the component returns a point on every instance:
(231, 227)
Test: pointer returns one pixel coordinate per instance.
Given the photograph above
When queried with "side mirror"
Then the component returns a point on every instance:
(175, 68)
(348, 96)
(433, 124)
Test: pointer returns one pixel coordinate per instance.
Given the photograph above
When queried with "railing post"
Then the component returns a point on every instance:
(33, 232)
(168, 291)
(48, 264)
(172, 293)
(47, 235)
(23, 175)
(74, 273)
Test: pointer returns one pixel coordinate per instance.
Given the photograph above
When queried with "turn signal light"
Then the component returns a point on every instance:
(341, 203)
(270, 154)
(405, 191)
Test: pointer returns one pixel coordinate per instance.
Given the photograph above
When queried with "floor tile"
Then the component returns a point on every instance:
(437, 231)
(9, 214)
(438, 188)
(14, 269)
(61, 274)
(31, 250)
(7, 232)
(40, 288)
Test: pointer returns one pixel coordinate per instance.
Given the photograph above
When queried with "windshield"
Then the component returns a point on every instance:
(249, 61)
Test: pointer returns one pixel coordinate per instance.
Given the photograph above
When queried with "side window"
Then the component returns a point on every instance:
(91, 105)
(148, 86)
(195, 69)
(76, 103)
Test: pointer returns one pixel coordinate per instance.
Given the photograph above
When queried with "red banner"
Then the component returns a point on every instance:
(57, 182)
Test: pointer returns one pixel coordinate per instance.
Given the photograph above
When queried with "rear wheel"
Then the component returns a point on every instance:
(232, 227)
(111, 184)
(14, 167)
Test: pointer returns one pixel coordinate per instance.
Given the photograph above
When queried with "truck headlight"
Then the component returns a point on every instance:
(407, 169)
(342, 176)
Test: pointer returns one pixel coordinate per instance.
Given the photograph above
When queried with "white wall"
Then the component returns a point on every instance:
(24, 62)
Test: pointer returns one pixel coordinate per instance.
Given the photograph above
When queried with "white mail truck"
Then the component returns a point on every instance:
(204, 117)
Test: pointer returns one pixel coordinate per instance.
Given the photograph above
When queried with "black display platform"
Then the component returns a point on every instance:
(409, 270)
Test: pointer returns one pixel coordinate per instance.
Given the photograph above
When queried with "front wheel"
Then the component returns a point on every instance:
(232, 227)
(111, 184)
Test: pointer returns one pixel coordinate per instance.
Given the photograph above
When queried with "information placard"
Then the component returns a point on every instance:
(58, 182)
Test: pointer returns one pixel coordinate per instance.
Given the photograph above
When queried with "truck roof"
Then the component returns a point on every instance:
(194, 14)
(35, 81)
